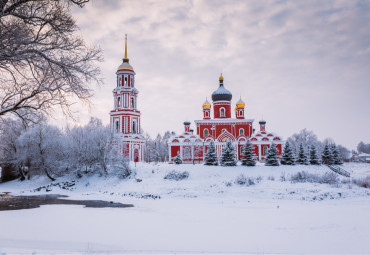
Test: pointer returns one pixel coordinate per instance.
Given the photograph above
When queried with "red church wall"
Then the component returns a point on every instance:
(216, 109)
(174, 150)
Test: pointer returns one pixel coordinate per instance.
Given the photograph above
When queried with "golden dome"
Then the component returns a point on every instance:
(206, 105)
(240, 103)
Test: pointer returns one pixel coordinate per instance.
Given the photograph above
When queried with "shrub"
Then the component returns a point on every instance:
(271, 178)
(363, 182)
(242, 180)
(328, 177)
(176, 175)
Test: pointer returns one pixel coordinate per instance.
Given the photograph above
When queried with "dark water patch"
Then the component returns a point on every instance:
(9, 202)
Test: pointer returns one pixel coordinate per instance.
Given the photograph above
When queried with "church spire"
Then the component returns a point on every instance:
(125, 58)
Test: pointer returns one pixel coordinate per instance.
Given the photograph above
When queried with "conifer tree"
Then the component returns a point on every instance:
(228, 155)
(177, 160)
(314, 157)
(288, 157)
(271, 159)
(211, 157)
(327, 156)
(302, 156)
(247, 154)
(337, 158)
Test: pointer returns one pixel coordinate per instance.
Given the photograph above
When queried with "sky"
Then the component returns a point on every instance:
(296, 64)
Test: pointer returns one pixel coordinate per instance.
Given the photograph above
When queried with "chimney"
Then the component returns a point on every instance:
(187, 126)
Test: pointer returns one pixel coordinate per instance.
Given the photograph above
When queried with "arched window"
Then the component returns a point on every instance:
(265, 148)
(222, 112)
(134, 127)
(241, 131)
(205, 133)
(132, 103)
(118, 102)
(117, 126)
(120, 81)
(125, 81)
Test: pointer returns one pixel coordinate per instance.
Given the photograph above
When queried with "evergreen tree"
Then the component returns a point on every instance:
(302, 156)
(247, 154)
(211, 157)
(272, 159)
(327, 156)
(177, 160)
(288, 157)
(314, 157)
(228, 155)
(337, 157)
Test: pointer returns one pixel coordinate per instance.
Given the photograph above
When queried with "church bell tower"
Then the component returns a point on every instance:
(125, 117)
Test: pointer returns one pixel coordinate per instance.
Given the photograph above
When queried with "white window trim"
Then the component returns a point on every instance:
(222, 115)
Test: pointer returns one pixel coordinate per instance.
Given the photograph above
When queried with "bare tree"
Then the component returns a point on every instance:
(43, 63)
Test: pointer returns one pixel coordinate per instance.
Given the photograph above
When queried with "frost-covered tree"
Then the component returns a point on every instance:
(327, 156)
(44, 145)
(337, 158)
(247, 154)
(314, 157)
(288, 157)
(44, 63)
(228, 155)
(272, 156)
(363, 148)
(211, 157)
(305, 137)
(302, 156)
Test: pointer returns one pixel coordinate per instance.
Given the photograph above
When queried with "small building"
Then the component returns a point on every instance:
(221, 128)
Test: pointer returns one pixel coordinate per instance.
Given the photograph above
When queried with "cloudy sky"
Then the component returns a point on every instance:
(296, 64)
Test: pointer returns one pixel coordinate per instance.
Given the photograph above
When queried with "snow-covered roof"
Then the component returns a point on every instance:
(265, 136)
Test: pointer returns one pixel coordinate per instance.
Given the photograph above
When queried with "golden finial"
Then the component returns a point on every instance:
(125, 45)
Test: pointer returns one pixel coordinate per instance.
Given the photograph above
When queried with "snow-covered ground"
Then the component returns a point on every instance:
(206, 213)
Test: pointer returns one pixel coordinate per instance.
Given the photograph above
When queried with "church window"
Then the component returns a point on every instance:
(205, 132)
(132, 103)
(117, 126)
(119, 81)
(134, 127)
(222, 112)
(187, 154)
(125, 81)
(118, 102)
(265, 148)
(241, 131)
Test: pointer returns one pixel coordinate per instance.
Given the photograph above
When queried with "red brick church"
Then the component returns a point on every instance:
(221, 128)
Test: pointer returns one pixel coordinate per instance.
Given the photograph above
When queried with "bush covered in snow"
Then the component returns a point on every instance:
(243, 180)
(363, 182)
(328, 177)
(176, 175)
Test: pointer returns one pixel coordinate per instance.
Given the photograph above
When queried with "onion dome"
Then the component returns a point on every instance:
(187, 123)
(240, 103)
(206, 105)
(221, 94)
(262, 122)
(125, 61)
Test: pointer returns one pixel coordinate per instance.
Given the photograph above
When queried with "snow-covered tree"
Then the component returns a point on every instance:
(302, 156)
(337, 157)
(288, 157)
(314, 157)
(272, 156)
(228, 155)
(211, 157)
(177, 160)
(247, 154)
(327, 156)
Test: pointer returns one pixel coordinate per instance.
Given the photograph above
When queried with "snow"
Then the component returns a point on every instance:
(208, 213)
